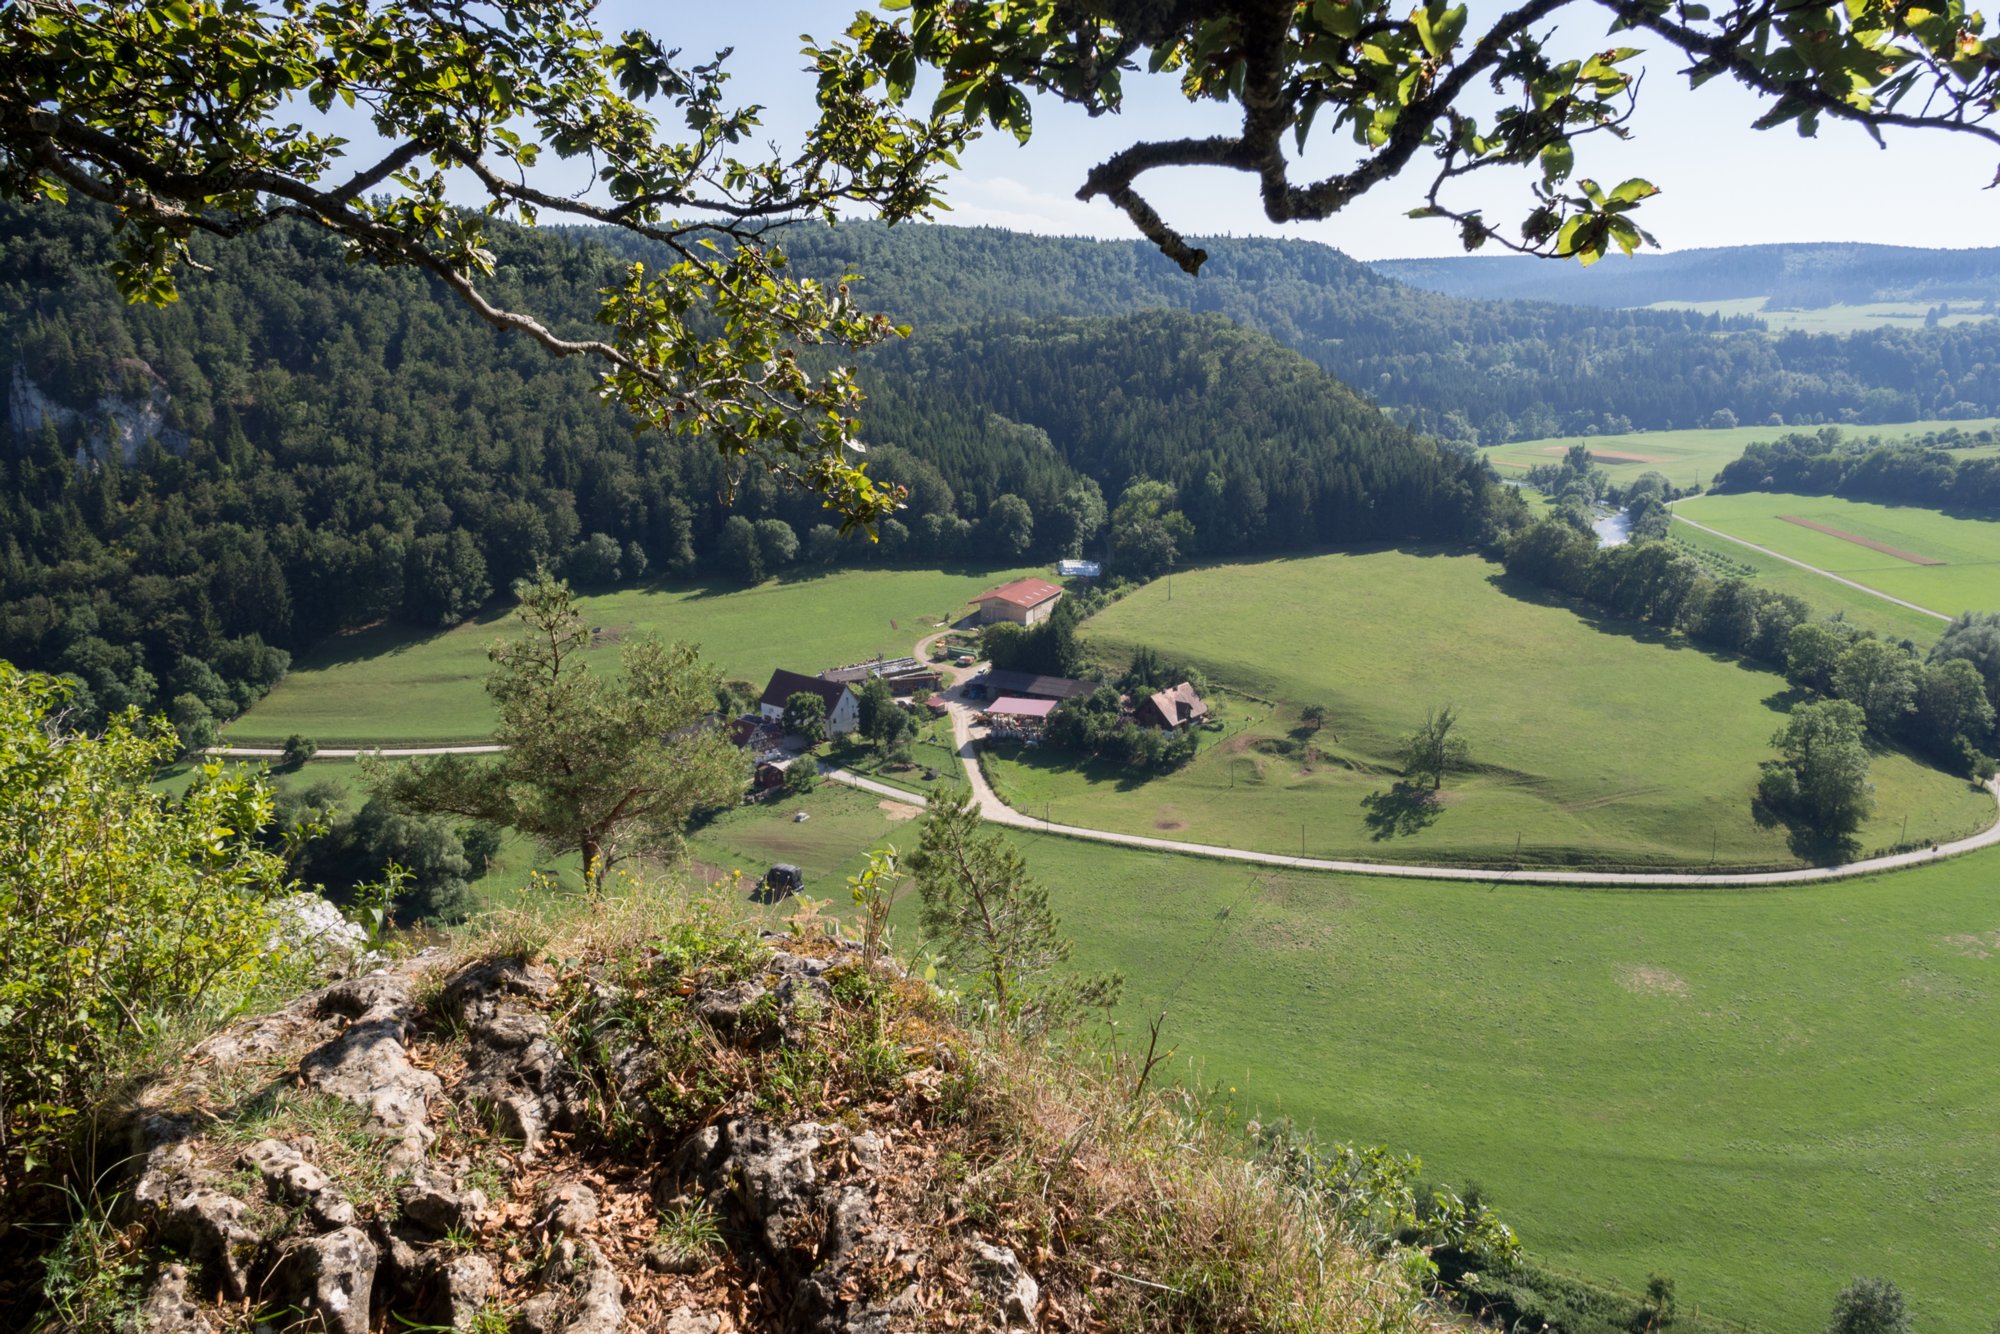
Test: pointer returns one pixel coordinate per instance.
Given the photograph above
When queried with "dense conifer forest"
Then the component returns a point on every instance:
(301, 446)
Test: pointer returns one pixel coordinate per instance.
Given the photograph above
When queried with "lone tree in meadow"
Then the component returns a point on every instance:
(1869, 1306)
(1823, 775)
(597, 766)
(1434, 749)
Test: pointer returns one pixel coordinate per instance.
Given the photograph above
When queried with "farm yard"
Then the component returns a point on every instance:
(1688, 458)
(1595, 742)
(1935, 560)
(396, 685)
(1758, 1094)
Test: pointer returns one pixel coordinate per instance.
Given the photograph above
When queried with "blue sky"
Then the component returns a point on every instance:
(1722, 183)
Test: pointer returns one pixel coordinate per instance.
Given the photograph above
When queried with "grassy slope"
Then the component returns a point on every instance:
(1824, 595)
(393, 685)
(1687, 457)
(1601, 743)
(1970, 548)
(1760, 1094)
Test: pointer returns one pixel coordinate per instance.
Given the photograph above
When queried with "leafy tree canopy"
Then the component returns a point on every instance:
(180, 115)
(1398, 82)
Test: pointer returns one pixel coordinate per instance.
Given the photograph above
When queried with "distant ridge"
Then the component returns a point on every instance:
(1789, 277)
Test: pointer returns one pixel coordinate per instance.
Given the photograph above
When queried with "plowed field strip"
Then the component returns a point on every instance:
(1868, 542)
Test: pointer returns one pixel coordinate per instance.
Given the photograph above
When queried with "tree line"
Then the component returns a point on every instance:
(1942, 703)
(1926, 471)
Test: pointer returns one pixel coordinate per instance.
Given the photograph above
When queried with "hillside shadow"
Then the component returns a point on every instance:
(1808, 844)
(1404, 809)
(1610, 623)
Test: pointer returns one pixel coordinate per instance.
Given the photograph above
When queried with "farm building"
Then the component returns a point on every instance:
(843, 710)
(1172, 709)
(1024, 602)
(906, 676)
(1079, 569)
(1011, 716)
(1028, 685)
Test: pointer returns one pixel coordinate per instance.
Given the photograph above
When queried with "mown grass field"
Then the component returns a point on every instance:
(1598, 742)
(1824, 595)
(1688, 458)
(1761, 1094)
(399, 685)
(1968, 579)
(1833, 319)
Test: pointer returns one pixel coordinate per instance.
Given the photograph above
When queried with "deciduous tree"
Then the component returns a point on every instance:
(119, 910)
(1434, 749)
(805, 716)
(1429, 85)
(1824, 772)
(1869, 1306)
(597, 766)
(182, 118)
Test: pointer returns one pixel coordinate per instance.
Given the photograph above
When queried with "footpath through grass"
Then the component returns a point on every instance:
(1761, 1094)
(1688, 458)
(397, 685)
(1596, 742)
(1968, 577)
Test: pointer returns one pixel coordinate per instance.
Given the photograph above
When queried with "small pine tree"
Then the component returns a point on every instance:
(990, 921)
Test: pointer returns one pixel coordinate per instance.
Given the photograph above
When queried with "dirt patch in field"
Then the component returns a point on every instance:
(899, 810)
(1169, 826)
(1869, 542)
(608, 634)
(1642, 980)
(1975, 946)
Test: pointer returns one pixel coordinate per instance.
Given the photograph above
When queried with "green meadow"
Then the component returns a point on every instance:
(1760, 1094)
(1594, 741)
(1686, 458)
(1968, 577)
(394, 685)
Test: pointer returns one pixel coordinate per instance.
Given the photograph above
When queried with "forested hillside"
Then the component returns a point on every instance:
(301, 446)
(1479, 371)
(1790, 277)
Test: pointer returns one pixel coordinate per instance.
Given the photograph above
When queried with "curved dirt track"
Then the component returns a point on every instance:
(992, 808)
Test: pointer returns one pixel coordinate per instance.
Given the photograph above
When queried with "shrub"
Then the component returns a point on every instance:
(1869, 1306)
(298, 750)
(118, 911)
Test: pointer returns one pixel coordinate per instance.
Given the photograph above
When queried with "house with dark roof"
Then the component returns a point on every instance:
(1024, 602)
(843, 709)
(1171, 709)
